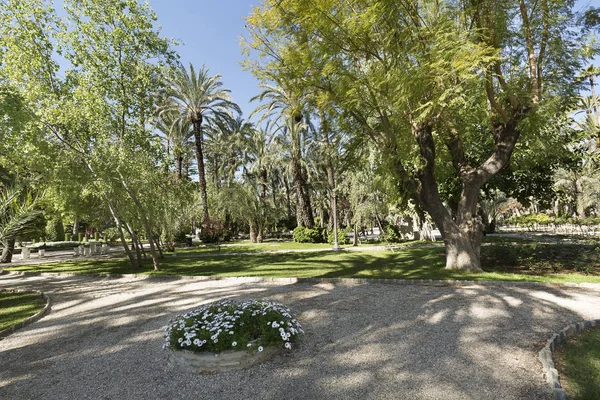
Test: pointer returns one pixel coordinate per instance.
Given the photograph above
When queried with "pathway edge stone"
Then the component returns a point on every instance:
(545, 355)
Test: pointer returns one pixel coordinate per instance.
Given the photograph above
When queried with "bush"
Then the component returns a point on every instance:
(392, 234)
(308, 235)
(342, 237)
(230, 325)
(55, 230)
(212, 231)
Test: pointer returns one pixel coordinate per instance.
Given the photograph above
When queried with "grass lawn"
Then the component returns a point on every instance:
(578, 365)
(16, 307)
(499, 262)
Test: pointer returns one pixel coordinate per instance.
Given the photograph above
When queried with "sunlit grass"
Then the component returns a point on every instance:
(578, 364)
(405, 263)
(17, 307)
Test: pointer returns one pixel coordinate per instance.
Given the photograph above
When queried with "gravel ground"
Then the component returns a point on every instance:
(103, 337)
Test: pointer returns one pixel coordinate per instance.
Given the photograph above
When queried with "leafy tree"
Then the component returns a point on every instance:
(427, 82)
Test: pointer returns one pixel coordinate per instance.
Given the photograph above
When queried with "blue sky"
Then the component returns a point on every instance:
(209, 31)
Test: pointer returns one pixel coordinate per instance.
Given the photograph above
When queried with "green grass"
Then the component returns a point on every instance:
(405, 263)
(248, 247)
(578, 364)
(16, 307)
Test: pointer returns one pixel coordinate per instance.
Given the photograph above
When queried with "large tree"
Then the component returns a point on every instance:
(427, 81)
(200, 99)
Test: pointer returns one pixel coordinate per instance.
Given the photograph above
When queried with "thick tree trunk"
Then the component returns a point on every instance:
(7, 252)
(304, 213)
(201, 169)
(259, 233)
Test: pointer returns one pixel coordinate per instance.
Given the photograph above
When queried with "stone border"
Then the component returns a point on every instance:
(545, 355)
(338, 281)
(30, 320)
(228, 360)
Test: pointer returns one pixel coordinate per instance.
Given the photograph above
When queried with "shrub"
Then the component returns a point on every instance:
(308, 235)
(212, 231)
(342, 237)
(392, 234)
(229, 325)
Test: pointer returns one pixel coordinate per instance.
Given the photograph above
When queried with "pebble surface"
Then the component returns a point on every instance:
(103, 338)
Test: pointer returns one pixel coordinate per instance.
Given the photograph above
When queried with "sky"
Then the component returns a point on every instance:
(209, 32)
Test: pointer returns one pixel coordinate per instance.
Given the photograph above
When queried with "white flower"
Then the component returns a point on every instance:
(260, 348)
(216, 341)
(249, 345)
(288, 345)
(233, 344)
(231, 332)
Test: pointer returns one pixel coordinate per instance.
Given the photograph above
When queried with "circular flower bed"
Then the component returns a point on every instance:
(249, 326)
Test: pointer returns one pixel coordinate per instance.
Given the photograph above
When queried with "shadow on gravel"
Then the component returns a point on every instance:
(103, 340)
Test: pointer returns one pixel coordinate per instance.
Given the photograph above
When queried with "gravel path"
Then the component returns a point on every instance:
(103, 337)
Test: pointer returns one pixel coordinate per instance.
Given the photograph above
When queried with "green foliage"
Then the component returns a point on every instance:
(229, 325)
(55, 230)
(392, 233)
(212, 231)
(342, 237)
(18, 213)
(302, 234)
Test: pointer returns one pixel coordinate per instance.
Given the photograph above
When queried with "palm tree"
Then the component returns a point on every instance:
(199, 98)
(17, 216)
(177, 133)
(288, 106)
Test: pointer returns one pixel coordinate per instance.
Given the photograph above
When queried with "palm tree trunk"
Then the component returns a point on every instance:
(201, 169)
(303, 207)
(8, 252)
(178, 165)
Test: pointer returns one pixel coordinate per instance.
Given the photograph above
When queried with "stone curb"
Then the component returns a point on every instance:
(545, 355)
(338, 281)
(30, 320)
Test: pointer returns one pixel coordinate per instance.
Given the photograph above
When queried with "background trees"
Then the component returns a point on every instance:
(427, 84)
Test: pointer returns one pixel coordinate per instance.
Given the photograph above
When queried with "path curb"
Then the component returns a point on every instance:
(33, 318)
(337, 281)
(545, 355)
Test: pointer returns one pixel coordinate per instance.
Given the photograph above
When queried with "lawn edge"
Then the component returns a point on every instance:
(47, 307)
(339, 281)
(545, 355)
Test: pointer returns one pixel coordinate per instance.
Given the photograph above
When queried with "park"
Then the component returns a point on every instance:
(373, 200)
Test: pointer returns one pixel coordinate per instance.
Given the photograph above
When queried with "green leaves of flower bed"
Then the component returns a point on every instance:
(230, 325)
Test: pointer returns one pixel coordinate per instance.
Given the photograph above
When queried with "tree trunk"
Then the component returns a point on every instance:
(132, 259)
(201, 170)
(304, 213)
(355, 239)
(145, 222)
(75, 227)
(329, 169)
(7, 252)
(134, 241)
(259, 233)
(288, 201)
(252, 231)
(178, 165)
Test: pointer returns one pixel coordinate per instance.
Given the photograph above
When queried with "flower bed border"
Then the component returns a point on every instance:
(545, 355)
(206, 362)
(11, 329)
